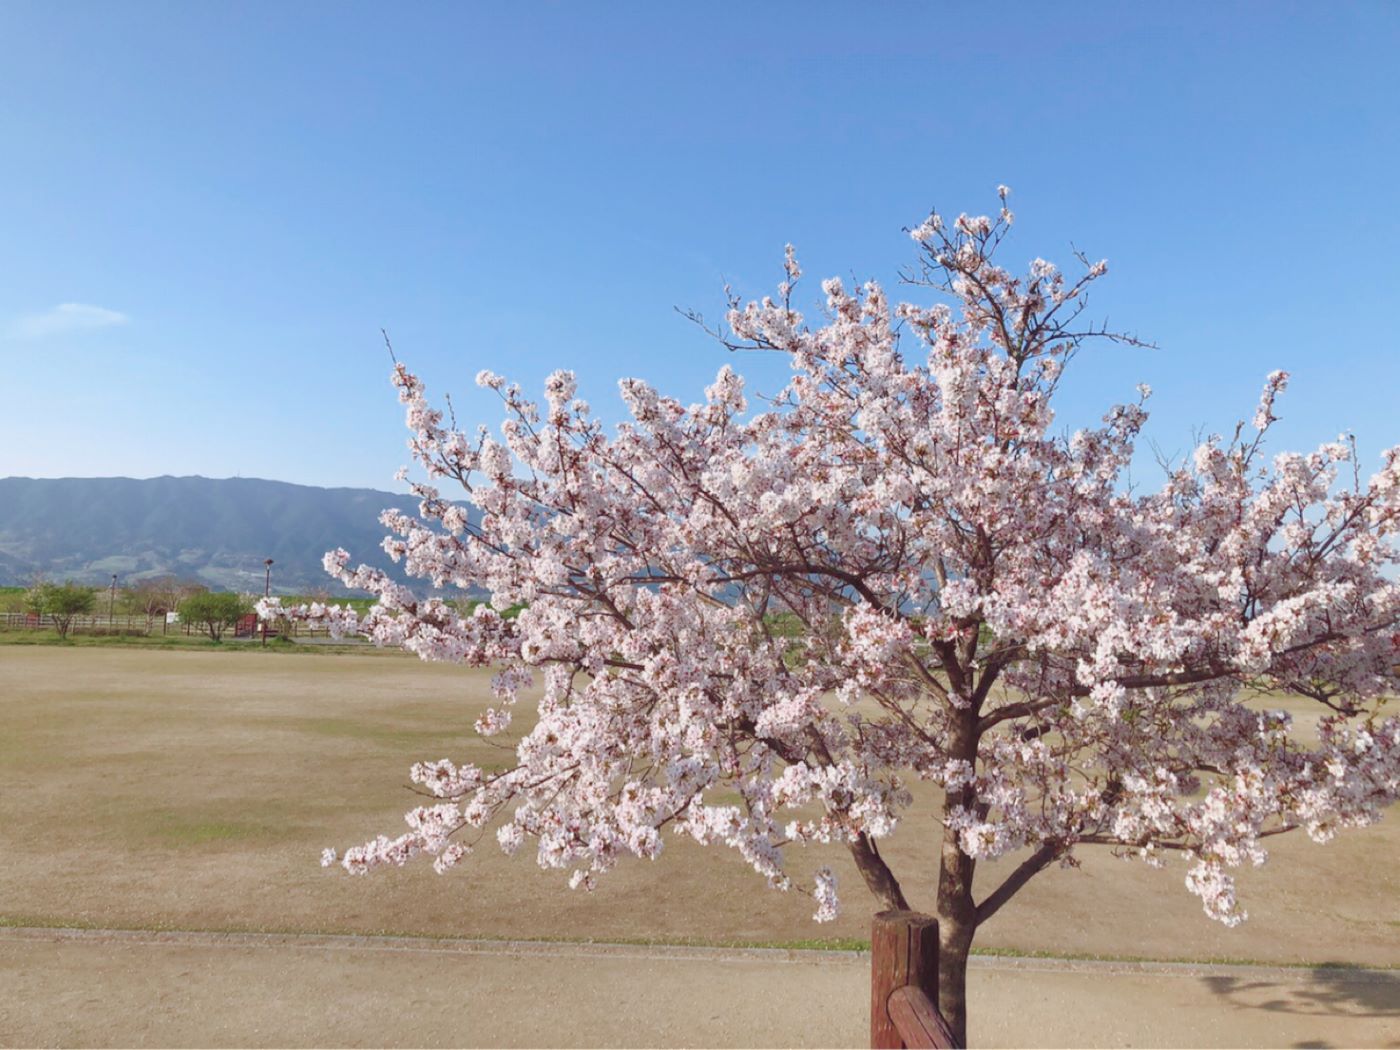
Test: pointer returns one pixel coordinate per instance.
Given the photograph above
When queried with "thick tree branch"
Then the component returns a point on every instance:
(877, 874)
(1027, 870)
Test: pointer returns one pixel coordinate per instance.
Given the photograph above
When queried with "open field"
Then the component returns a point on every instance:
(193, 790)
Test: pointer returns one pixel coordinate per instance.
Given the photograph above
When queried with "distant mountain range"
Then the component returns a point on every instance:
(218, 531)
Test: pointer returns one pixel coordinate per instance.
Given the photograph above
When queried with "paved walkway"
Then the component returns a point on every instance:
(123, 988)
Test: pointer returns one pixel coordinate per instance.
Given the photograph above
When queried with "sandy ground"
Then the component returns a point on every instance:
(210, 990)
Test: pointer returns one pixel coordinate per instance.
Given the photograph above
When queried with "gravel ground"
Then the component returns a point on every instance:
(105, 988)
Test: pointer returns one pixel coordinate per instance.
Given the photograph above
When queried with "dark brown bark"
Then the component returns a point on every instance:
(957, 923)
(957, 911)
(1023, 874)
(877, 874)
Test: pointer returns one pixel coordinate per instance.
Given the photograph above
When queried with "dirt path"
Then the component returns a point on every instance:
(96, 987)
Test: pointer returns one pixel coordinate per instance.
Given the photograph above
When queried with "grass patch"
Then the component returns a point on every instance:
(46, 922)
(212, 825)
(204, 832)
(829, 944)
(375, 733)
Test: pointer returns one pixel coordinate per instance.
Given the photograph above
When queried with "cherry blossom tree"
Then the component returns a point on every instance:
(982, 603)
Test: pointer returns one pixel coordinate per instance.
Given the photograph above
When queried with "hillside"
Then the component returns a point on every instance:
(217, 531)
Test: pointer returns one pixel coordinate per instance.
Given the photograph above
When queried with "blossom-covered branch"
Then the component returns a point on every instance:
(897, 569)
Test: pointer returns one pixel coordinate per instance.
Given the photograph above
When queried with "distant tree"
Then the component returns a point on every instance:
(61, 602)
(174, 590)
(215, 611)
(129, 599)
(157, 596)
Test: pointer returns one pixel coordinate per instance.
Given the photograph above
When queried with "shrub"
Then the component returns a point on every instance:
(216, 611)
(61, 602)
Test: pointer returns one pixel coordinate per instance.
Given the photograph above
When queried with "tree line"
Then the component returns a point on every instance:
(63, 603)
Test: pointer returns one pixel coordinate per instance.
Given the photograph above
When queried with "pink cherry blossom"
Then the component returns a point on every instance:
(897, 568)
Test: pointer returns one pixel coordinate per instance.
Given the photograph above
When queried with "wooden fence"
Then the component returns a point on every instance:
(904, 984)
(121, 623)
(138, 624)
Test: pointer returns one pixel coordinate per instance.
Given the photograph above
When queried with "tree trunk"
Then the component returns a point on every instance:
(952, 980)
(957, 910)
(957, 924)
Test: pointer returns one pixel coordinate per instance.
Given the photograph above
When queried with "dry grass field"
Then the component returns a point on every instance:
(194, 791)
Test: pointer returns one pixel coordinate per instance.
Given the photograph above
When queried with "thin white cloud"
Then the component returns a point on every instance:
(65, 318)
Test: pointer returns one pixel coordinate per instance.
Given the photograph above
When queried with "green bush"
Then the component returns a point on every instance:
(61, 602)
(216, 611)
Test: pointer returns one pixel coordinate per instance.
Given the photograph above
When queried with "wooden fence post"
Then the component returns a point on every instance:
(903, 951)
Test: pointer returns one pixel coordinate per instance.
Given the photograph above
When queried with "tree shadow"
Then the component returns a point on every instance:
(1323, 991)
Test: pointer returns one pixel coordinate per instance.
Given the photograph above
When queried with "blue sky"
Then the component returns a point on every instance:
(209, 211)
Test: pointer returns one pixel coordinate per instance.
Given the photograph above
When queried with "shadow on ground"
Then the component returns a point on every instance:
(1331, 990)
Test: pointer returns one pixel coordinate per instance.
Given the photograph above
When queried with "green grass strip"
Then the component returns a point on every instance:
(814, 944)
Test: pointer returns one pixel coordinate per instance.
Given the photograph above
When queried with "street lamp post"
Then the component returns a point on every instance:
(267, 593)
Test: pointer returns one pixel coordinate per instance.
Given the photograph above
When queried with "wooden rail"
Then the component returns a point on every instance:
(904, 984)
(918, 1020)
(140, 624)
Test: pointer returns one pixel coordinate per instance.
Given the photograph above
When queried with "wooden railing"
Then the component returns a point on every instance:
(904, 984)
(141, 624)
